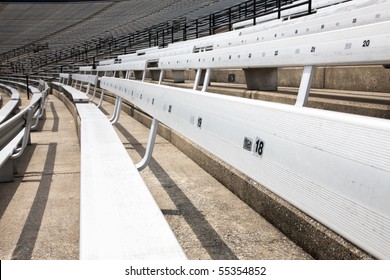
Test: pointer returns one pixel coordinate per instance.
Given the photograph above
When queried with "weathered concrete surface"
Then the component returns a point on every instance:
(39, 211)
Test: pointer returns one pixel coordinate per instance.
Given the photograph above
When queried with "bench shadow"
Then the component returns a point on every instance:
(211, 241)
(8, 189)
(28, 237)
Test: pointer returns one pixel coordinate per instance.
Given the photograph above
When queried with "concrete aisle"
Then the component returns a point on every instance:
(39, 211)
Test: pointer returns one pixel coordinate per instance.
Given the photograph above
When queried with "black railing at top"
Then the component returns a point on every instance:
(179, 29)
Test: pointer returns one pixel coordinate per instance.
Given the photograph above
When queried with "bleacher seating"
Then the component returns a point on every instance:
(77, 95)
(12, 105)
(15, 135)
(333, 166)
(282, 140)
(119, 218)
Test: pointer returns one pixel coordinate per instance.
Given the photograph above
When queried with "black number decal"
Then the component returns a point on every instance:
(366, 43)
(259, 147)
(313, 49)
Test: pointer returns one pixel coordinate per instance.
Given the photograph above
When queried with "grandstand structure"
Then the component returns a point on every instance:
(285, 103)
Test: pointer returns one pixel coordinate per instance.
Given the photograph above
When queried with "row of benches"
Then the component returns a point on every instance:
(15, 126)
(119, 218)
(312, 158)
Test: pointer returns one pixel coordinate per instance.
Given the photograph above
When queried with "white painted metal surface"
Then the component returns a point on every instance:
(119, 218)
(308, 25)
(90, 79)
(85, 69)
(12, 103)
(320, 6)
(333, 166)
(14, 134)
(126, 66)
(369, 44)
(158, 53)
(77, 96)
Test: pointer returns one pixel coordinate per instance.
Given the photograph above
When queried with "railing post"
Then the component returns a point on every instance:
(185, 32)
(163, 38)
(230, 19)
(28, 89)
(254, 12)
(197, 28)
(279, 7)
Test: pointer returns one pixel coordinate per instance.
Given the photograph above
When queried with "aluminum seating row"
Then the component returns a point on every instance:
(15, 130)
(307, 156)
(119, 218)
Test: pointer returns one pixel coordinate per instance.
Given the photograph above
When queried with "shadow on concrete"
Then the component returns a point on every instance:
(26, 243)
(211, 241)
(56, 119)
(44, 118)
(8, 190)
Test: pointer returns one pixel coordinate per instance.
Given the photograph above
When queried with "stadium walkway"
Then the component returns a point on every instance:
(39, 211)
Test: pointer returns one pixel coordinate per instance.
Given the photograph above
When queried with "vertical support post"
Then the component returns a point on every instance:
(161, 78)
(28, 88)
(197, 79)
(152, 138)
(206, 80)
(254, 12)
(304, 88)
(117, 110)
(149, 148)
(101, 94)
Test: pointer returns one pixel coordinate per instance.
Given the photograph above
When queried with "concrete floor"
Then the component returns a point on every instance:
(39, 211)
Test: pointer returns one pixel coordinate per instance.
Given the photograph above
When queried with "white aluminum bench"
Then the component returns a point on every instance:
(43, 90)
(316, 5)
(367, 44)
(14, 137)
(119, 218)
(157, 54)
(12, 105)
(333, 166)
(78, 80)
(309, 25)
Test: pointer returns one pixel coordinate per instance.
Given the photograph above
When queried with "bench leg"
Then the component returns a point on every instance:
(117, 110)
(197, 79)
(304, 88)
(149, 149)
(206, 79)
(7, 171)
(94, 94)
(101, 98)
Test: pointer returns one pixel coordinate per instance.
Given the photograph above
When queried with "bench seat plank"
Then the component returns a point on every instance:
(77, 96)
(7, 109)
(7, 151)
(119, 219)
